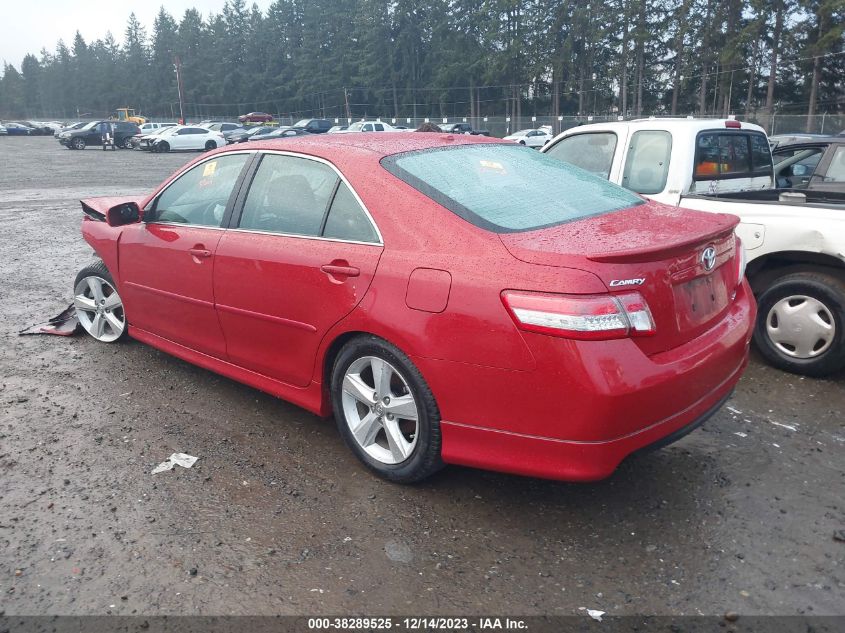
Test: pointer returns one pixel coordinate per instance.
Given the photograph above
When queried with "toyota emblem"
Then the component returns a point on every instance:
(708, 258)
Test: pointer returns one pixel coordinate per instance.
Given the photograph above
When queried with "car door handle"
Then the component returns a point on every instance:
(199, 252)
(340, 271)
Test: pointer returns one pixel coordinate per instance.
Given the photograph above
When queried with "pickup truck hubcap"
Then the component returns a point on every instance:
(380, 410)
(99, 309)
(800, 327)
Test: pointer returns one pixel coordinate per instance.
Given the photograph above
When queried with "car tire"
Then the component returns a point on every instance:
(801, 323)
(522, 142)
(99, 307)
(394, 447)
(126, 144)
(162, 147)
(210, 145)
(78, 142)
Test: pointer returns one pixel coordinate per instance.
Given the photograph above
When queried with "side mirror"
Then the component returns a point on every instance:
(125, 213)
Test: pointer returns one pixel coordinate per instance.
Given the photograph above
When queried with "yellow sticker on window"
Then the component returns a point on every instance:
(209, 169)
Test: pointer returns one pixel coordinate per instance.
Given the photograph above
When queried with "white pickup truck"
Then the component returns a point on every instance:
(794, 240)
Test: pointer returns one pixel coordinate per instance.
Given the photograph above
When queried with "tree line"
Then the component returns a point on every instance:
(338, 58)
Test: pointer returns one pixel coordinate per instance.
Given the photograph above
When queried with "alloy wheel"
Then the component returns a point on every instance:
(380, 410)
(99, 309)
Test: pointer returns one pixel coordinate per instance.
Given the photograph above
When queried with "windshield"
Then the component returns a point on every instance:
(91, 125)
(301, 123)
(356, 127)
(521, 132)
(507, 188)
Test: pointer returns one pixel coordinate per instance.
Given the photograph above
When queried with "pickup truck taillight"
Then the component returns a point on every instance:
(583, 317)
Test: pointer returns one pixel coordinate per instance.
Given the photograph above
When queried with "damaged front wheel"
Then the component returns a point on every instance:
(99, 307)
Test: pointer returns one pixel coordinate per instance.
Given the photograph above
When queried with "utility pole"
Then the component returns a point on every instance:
(346, 101)
(178, 65)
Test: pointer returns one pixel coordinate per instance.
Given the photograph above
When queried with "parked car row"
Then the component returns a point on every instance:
(28, 128)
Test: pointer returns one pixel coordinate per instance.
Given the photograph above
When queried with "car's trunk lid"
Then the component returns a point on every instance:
(653, 249)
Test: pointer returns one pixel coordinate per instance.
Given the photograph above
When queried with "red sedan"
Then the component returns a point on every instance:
(450, 299)
(255, 117)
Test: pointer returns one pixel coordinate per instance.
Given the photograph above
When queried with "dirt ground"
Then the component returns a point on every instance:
(277, 517)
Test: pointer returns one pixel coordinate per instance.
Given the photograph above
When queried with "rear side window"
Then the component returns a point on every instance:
(347, 220)
(288, 195)
(836, 169)
(647, 163)
(507, 187)
(722, 155)
(592, 151)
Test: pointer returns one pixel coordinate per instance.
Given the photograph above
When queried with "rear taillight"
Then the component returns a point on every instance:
(584, 317)
(740, 258)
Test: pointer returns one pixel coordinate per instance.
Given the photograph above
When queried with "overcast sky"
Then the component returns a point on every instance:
(38, 24)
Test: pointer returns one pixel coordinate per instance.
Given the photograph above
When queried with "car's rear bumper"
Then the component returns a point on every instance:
(586, 405)
(571, 460)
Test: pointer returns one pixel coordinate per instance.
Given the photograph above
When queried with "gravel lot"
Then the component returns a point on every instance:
(277, 517)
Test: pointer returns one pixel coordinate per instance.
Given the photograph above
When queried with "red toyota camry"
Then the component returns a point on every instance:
(450, 299)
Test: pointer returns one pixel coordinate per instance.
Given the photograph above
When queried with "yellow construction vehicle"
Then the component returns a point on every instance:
(128, 114)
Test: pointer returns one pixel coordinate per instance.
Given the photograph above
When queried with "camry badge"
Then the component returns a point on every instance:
(627, 282)
(708, 258)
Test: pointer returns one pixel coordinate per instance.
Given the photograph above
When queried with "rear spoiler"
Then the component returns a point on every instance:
(676, 245)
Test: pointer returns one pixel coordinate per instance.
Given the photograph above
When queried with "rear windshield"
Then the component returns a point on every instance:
(508, 188)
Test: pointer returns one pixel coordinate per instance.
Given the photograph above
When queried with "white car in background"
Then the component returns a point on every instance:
(181, 138)
(3, 131)
(530, 138)
(149, 126)
(369, 126)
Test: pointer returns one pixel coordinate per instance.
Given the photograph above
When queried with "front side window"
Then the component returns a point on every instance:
(200, 195)
(647, 163)
(288, 195)
(507, 187)
(591, 151)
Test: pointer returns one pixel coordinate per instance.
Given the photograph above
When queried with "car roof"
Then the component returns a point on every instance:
(376, 145)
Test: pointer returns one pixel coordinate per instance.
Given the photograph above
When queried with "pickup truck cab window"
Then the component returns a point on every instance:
(647, 161)
(591, 151)
(721, 155)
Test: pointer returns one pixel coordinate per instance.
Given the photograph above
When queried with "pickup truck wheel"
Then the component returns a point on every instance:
(801, 323)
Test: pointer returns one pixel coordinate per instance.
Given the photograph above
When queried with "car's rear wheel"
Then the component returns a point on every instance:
(99, 307)
(210, 145)
(78, 143)
(385, 411)
(801, 323)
